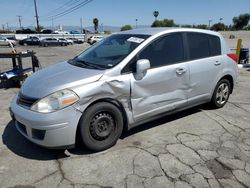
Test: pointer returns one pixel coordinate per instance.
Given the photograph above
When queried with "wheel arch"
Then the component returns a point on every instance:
(231, 81)
(113, 102)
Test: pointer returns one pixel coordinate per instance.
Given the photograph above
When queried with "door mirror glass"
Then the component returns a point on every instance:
(142, 66)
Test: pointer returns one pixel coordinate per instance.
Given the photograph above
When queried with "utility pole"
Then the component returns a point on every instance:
(20, 21)
(3, 27)
(102, 27)
(37, 21)
(209, 23)
(52, 23)
(81, 25)
(7, 25)
(136, 20)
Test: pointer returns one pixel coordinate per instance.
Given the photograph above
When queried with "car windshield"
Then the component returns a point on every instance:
(109, 52)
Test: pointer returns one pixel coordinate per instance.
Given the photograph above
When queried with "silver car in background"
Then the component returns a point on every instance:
(6, 42)
(123, 81)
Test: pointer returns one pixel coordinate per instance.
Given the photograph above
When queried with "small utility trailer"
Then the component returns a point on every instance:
(18, 72)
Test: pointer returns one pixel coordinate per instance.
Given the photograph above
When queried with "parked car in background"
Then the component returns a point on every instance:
(127, 79)
(68, 41)
(47, 31)
(30, 41)
(52, 42)
(12, 38)
(77, 41)
(75, 32)
(26, 31)
(61, 32)
(95, 38)
(6, 42)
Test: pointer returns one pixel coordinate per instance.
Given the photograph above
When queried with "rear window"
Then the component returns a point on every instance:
(203, 45)
(215, 46)
(198, 45)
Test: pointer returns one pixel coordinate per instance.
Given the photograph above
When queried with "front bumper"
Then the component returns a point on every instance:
(51, 130)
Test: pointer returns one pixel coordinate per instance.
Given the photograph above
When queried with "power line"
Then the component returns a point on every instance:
(68, 11)
(58, 9)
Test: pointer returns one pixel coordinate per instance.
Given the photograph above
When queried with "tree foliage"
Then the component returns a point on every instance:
(219, 27)
(126, 27)
(5, 31)
(163, 23)
(96, 24)
(241, 21)
(39, 29)
(200, 26)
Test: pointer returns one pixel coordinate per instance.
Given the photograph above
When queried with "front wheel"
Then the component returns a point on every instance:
(101, 126)
(221, 93)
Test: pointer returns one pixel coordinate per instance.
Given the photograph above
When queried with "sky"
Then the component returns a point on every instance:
(122, 12)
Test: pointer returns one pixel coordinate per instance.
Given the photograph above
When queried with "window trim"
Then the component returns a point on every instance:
(185, 54)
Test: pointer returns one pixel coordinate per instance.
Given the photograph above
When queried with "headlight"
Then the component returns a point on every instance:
(55, 101)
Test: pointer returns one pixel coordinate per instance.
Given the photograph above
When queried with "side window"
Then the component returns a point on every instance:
(215, 46)
(198, 45)
(164, 51)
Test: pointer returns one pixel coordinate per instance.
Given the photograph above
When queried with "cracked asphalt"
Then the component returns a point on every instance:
(199, 147)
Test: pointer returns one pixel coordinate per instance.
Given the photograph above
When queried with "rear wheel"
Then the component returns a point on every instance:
(221, 93)
(101, 126)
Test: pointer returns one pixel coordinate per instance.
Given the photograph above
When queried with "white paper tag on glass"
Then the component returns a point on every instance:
(136, 40)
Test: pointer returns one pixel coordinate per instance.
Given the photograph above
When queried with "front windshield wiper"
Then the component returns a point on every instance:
(87, 64)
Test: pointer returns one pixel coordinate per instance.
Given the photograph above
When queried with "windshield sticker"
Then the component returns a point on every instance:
(136, 40)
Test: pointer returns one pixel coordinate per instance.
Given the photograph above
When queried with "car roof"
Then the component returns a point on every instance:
(154, 31)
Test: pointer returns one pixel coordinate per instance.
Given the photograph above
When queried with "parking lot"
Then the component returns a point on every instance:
(199, 147)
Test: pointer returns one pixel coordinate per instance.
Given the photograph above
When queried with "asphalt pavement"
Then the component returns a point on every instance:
(199, 147)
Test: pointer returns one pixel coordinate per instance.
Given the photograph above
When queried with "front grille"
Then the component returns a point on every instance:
(23, 100)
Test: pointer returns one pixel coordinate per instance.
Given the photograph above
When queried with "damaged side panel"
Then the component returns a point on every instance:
(117, 88)
(161, 90)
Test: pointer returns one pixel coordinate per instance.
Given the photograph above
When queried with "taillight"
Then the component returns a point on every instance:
(233, 57)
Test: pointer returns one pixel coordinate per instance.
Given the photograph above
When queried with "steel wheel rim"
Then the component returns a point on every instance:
(101, 126)
(222, 93)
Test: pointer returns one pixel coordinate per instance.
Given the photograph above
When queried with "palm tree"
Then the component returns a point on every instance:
(96, 24)
(156, 14)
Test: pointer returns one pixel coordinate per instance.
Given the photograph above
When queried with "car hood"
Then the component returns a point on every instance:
(57, 77)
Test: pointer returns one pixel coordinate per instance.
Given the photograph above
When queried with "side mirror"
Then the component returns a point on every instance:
(142, 66)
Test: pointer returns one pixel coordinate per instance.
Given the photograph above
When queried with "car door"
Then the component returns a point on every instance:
(1, 41)
(165, 85)
(54, 41)
(28, 41)
(205, 65)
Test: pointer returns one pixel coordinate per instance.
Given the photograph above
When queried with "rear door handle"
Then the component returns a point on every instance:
(180, 71)
(217, 63)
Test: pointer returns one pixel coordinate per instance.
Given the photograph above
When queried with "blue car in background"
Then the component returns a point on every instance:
(75, 32)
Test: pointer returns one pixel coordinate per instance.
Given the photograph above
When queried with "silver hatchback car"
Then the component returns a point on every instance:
(125, 80)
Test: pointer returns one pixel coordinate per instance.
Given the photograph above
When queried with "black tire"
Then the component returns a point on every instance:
(221, 94)
(101, 126)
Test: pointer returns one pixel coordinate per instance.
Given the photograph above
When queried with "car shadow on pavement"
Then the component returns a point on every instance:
(162, 120)
(149, 125)
(24, 148)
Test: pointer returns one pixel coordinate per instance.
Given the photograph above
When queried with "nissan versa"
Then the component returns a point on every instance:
(122, 81)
